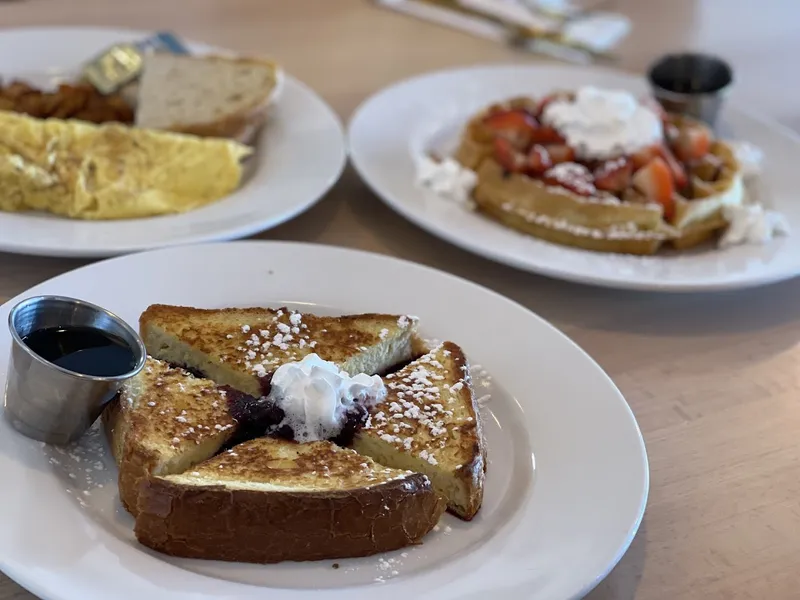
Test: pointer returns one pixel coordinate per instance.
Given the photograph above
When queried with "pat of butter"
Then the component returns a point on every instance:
(122, 63)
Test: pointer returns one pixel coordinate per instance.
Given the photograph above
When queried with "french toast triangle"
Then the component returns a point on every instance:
(241, 347)
(164, 421)
(429, 423)
(315, 501)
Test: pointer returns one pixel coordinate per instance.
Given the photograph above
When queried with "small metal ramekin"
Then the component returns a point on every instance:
(691, 84)
(49, 403)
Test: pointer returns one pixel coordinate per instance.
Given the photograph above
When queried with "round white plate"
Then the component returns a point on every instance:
(428, 112)
(300, 155)
(548, 529)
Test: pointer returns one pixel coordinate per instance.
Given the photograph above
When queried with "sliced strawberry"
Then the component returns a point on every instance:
(614, 175)
(641, 157)
(538, 160)
(511, 159)
(560, 153)
(654, 180)
(516, 125)
(547, 135)
(573, 176)
(693, 142)
(676, 168)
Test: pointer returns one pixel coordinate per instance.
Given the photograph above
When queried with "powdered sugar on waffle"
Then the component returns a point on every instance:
(573, 175)
(624, 231)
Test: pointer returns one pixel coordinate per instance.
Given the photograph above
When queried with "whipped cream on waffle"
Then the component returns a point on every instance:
(752, 224)
(749, 156)
(601, 124)
(316, 396)
(446, 178)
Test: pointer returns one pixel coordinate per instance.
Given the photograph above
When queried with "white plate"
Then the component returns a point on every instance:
(429, 111)
(300, 155)
(546, 533)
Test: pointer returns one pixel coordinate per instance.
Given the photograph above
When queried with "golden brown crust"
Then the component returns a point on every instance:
(472, 441)
(240, 347)
(239, 126)
(219, 512)
(521, 202)
(163, 421)
(429, 422)
(712, 191)
(257, 527)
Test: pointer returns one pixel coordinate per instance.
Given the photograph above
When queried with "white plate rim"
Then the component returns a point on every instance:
(496, 255)
(288, 85)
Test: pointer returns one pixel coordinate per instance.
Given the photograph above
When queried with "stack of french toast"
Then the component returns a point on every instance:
(204, 479)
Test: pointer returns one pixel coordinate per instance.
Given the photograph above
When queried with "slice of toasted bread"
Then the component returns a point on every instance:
(214, 96)
(164, 421)
(241, 347)
(429, 423)
(270, 500)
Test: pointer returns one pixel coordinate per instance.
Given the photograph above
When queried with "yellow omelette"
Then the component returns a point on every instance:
(111, 171)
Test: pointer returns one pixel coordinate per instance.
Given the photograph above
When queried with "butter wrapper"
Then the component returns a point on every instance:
(122, 63)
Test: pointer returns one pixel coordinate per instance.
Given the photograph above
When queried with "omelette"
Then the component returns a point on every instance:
(111, 171)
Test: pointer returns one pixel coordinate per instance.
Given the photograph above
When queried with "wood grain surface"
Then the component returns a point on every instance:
(713, 379)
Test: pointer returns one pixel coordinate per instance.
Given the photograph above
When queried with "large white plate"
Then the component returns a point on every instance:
(301, 153)
(429, 111)
(549, 532)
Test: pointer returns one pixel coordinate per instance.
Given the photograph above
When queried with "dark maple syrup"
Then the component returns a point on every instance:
(84, 350)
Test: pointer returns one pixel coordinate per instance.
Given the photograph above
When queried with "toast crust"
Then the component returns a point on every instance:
(429, 422)
(164, 421)
(241, 347)
(244, 123)
(359, 509)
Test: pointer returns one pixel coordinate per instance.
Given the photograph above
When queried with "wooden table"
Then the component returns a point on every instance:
(713, 379)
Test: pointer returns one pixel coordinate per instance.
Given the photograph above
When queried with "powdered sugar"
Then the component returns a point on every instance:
(201, 397)
(274, 343)
(626, 231)
(572, 175)
(83, 467)
(416, 403)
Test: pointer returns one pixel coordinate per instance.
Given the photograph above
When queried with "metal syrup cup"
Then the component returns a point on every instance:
(691, 84)
(44, 401)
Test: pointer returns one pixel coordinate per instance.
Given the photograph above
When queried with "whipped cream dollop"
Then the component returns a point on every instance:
(316, 396)
(601, 124)
(752, 224)
(446, 178)
(749, 156)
